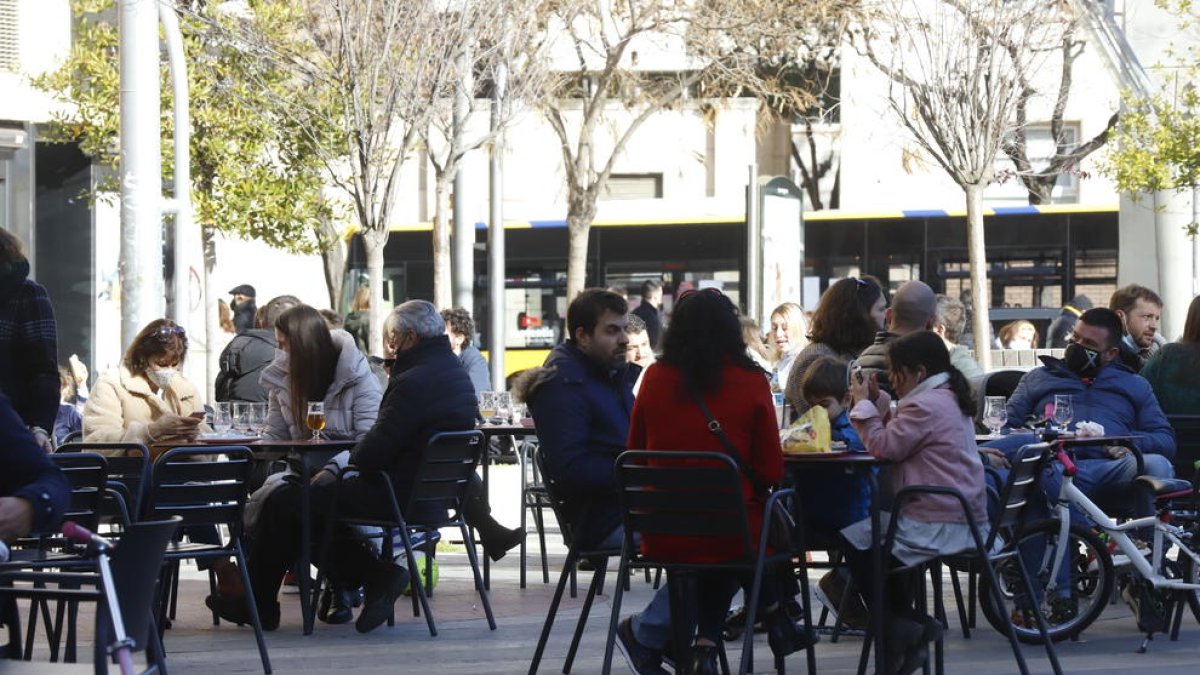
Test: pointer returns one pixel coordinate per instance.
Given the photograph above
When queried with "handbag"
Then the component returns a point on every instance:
(781, 523)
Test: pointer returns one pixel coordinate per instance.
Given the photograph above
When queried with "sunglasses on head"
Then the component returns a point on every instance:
(165, 333)
(693, 291)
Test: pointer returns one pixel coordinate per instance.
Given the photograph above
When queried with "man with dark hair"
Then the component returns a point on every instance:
(1060, 329)
(949, 324)
(913, 308)
(640, 351)
(652, 294)
(244, 358)
(1103, 390)
(243, 307)
(581, 400)
(1140, 310)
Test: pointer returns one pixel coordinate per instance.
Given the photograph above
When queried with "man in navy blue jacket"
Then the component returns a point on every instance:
(581, 400)
(1103, 390)
(33, 492)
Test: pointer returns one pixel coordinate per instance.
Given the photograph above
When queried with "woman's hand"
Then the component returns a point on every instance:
(170, 425)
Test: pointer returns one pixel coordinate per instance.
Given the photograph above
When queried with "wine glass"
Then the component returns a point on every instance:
(315, 419)
(241, 416)
(487, 406)
(222, 418)
(1063, 411)
(504, 407)
(257, 418)
(995, 414)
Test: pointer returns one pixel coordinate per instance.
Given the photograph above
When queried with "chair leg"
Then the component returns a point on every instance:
(751, 617)
(618, 595)
(806, 608)
(998, 599)
(540, 521)
(956, 585)
(581, 624)
(252, 606)
(479, 582)
(552, 612)
(417, 583)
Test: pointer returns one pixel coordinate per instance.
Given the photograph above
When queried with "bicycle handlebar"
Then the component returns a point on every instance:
(1064, 458)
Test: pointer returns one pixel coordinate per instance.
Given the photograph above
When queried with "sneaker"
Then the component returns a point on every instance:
(642, 660)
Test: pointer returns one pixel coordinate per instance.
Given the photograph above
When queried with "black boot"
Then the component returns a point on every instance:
(335, 606)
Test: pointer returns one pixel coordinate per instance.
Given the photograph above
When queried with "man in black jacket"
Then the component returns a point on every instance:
(428, 392)
(243, 359)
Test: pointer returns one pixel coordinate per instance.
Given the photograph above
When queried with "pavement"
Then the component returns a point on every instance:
(464, 645)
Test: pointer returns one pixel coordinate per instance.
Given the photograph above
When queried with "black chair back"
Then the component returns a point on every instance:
(136, 565)
(447, 465)
(203, 486)
(86, 473)
(996, 383)
(1187, 446)
(692, 494)
(1023, 476)
(128, 475)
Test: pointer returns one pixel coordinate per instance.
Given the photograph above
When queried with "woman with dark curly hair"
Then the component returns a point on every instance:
(848, 316)
(704, 358)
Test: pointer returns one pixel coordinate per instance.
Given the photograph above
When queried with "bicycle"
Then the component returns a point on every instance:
(1074, 596)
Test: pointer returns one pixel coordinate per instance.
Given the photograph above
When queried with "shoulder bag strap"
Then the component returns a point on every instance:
(760, 486)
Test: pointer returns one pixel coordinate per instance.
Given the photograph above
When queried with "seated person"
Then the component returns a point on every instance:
(931, 441)
(830, 497)
(34, 494)
(1103, 390)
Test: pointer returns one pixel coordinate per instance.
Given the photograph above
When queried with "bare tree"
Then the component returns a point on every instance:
(1067, 154)
(483, 38)
(955, 70)
(597, 105)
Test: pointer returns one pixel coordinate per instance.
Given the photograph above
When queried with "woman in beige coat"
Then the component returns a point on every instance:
(146, 400)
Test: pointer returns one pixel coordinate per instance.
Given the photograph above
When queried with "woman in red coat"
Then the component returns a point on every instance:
(703, 354)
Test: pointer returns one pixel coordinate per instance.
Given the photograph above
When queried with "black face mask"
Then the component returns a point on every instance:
(1082, 361)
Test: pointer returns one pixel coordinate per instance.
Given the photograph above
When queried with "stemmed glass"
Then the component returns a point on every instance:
(995, 414)
(315, 419)
(488, 404)
(1063, 411)
(222, 418)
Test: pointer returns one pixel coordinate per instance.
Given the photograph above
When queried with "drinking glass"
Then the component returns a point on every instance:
(258, 418)
(315, 419)
(1063, 411)
(504, 407)
(241, 416)
(520, 412)
(995, 414)
(487, 406)
(222, 418)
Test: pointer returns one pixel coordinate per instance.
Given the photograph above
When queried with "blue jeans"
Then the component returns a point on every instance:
(652, 626)
(1109, 482)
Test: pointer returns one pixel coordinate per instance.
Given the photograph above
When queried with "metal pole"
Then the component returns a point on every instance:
(751, 283)
(463, 237)
(181, 205)
(496, 255)
(141, 168)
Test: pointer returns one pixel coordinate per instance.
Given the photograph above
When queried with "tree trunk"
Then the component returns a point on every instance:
(578, 227)
(1041, 190)
(333, 261)
(212, 319)
(374, 243)
(977, 257)
(442, 281)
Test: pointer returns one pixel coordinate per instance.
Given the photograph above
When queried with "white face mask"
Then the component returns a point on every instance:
(163, 377)
(1020, 343)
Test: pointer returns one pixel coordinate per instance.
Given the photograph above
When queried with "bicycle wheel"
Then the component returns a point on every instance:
(1190, 572)
(1088, 586)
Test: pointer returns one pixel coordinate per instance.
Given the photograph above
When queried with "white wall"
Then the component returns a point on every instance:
(44, 34)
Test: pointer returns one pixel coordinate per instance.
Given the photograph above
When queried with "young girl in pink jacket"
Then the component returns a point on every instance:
(930, 440)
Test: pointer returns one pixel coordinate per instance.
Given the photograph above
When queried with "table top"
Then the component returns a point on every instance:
(1069, 441)
(844, 457)
(506, 430)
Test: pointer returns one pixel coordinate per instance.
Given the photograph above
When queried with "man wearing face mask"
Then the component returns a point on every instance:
(1140, 310)
(1104, 390)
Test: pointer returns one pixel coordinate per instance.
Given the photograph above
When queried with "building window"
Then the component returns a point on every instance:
(1040, 148)
(9, 32)
(633, 186)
